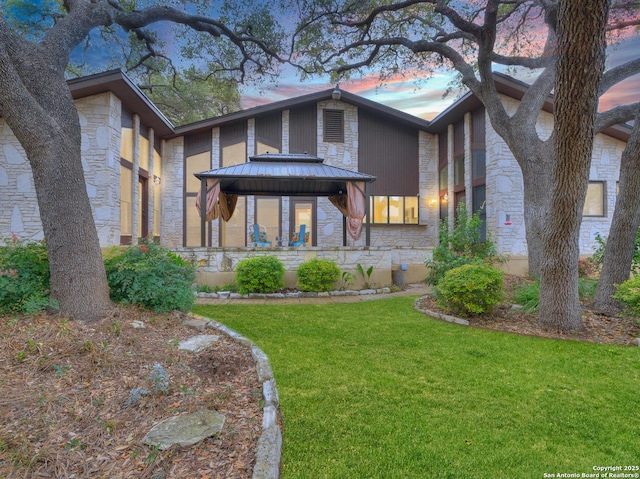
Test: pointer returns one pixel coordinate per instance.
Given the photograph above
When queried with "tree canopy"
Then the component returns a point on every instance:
(232, 40)
(415, 38)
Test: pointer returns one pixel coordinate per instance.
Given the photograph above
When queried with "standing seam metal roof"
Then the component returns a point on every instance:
(284, 174)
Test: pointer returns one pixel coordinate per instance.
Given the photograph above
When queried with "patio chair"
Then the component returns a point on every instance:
(300, 238)
(259, 236)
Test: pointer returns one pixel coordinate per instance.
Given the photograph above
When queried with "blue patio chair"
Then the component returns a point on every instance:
(259, 236)
(300, 238)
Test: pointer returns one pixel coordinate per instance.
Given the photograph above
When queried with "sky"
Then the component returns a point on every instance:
(427, 100)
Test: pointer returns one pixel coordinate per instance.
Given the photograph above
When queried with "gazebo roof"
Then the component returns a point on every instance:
(284, 174)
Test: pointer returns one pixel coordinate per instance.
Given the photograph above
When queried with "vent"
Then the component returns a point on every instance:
(334, 126)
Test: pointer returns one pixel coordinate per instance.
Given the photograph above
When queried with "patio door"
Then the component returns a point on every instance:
(303, 212)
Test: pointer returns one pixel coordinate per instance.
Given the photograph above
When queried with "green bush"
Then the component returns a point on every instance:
(598, 254)
(152, 277)
(471, 289)
(459, 246)
(317, 275)
(629, 294)
(262, 274)
(24, 277)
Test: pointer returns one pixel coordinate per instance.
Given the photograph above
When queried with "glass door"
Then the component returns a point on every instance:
(303, 212)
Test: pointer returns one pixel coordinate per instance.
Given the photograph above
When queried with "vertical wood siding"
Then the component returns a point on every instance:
(303, 130)
(269, 130)
(390, 152)
(197, 143)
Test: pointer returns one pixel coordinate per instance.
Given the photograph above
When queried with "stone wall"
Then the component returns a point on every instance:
(99, 117)
(216, 266)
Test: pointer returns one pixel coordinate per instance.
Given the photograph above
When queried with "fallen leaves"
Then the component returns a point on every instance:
(65, 385)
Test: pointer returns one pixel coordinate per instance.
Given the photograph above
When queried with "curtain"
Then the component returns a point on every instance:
(219, 204)
(213, 191)
(357, 206)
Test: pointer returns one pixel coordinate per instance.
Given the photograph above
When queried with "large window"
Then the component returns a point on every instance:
(268, 215)
(194, 164)
(394, 210)
(594, 202)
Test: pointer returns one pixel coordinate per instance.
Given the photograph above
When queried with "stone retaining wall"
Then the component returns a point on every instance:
(216, 266)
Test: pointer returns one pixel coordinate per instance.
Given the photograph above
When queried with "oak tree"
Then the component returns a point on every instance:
(419, 37)
(237, 39)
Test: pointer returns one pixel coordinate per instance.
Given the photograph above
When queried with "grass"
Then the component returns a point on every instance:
(376, 389)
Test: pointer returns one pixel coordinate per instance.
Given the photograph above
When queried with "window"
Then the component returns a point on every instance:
(333, 126)
(394, 210)
(594, 202)
(458, 171)
(268, 215)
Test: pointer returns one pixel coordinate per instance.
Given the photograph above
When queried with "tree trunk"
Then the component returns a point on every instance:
(78, 279)
(620, 246)
(581, 43)
(536, 208)
(38, 107)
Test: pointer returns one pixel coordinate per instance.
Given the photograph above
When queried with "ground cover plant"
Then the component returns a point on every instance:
(378, 389)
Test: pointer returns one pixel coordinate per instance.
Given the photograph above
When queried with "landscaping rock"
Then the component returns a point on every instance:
(185, 430)
(198, 343)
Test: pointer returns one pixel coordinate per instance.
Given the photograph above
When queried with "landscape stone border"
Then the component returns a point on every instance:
(269, 450)
(294, 295)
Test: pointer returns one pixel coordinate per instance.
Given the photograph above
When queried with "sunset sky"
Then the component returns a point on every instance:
(426, 100)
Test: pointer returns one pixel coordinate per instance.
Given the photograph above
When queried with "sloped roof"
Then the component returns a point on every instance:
(286, 175)
(311, 98)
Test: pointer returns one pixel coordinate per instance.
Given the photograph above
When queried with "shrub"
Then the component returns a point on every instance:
(262, 274)
(598, 254)
(24, 277)
(152, 277)
(629, 294)
(317, 275)
(462, 245)
(471, 289)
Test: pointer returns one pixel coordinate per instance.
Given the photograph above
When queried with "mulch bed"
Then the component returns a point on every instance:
(65, 387)
(599, 328)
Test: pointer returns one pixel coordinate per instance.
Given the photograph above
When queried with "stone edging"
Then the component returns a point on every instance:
(443, 317)
(297, 294)
(269, 449)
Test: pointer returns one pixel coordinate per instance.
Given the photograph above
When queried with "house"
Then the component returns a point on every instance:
(140, 176)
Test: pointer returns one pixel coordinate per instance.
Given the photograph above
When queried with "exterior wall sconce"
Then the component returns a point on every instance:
(433, 202)
(336, 94)
(156, 180)
(445, 199)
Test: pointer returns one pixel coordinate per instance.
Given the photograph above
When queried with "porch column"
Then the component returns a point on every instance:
(366, 208)
(203, 212)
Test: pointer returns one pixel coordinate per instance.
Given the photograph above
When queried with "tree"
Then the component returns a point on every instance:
(191, 95)
(37, 105)
(418, 37)
(621, 243)
(581, 41)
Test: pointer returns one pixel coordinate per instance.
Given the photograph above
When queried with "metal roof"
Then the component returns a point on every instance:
(286, 175)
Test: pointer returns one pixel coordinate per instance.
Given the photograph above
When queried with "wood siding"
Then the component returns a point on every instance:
(233, 133)
(303, 130)
(269, 130)
(389, 152)
(197, 143)
(458, 139)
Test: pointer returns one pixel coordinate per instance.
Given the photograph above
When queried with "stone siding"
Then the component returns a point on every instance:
(172, 211)
(99, 117)
(216, 266)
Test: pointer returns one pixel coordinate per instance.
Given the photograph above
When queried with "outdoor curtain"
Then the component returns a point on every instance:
(219, 204)
(353, 205)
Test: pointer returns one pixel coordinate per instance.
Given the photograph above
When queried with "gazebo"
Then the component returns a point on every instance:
(285, 174)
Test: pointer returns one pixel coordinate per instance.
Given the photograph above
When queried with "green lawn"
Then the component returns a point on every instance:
(375, 389)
